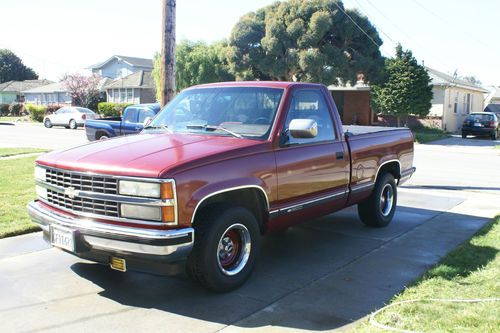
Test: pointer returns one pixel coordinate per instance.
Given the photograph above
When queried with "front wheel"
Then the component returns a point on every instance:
(72, 124)
(227, 240)
(378, 210)
(464, 135)
(47, 123)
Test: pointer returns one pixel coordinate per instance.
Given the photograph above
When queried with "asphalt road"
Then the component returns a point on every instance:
(321, 275)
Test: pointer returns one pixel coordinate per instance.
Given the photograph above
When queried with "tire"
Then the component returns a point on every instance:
(226, 245)
(72, 124)
(47, 123)
(464, 135)
(378, 210)
(103, 137)
(494, 135)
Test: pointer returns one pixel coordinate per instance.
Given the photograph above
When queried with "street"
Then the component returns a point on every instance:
(320, 275)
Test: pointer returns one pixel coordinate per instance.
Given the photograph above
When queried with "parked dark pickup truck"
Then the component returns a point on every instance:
(132, 122)
(220, 166)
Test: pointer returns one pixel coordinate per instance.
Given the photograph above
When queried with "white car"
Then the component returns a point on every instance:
(69, 117)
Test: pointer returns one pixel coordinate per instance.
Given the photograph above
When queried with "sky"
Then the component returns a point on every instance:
(56, 37)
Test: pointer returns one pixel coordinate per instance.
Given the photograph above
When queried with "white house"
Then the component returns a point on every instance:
(120, 66)
(454, 99)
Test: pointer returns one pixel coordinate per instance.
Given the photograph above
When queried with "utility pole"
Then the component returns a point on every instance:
(167, 75)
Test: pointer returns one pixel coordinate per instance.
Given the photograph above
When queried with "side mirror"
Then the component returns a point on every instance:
(303, 128)
(147, 121)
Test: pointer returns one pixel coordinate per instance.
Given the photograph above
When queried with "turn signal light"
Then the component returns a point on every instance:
(168, 214)
(167, 191)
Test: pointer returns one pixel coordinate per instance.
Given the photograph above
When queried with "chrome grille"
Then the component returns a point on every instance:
(82, 182)
(93, 206)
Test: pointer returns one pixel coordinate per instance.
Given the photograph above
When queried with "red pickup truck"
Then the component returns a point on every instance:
(220, 166)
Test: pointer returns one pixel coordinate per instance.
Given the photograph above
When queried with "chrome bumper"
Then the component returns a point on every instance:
(90, 235)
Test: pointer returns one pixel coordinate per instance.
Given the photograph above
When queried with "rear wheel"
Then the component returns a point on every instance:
(464, 135)
(227, 240)
(494, 135)
(103, 137)
(378, 210)
(72, 124)
(47, 123)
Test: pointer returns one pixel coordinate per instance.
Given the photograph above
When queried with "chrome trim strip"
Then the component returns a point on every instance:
(111, 197)
(228, 190)
(389, 161)
(301, 205)
(359, 187)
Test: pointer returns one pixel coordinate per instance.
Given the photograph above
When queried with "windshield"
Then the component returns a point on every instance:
(480, 117)
(231, 111)
(84, 110)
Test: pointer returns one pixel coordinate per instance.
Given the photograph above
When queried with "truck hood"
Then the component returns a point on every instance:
(144, 155)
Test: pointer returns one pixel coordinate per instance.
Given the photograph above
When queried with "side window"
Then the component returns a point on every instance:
(130, 115)
(144, 113)
(310, 104)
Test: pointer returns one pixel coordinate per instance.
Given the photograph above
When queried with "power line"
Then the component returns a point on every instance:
(378, 28)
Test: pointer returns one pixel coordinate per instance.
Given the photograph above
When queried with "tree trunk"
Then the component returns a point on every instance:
(398, 120)
(167, 72)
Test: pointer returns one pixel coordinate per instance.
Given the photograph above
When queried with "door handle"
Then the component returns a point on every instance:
(339, 155)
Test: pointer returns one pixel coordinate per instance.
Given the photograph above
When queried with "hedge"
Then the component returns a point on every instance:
(4, 109)
(16, 109)
(108, 109)
(36, 112)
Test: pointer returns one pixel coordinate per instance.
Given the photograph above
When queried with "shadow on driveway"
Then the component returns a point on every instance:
(318, 276)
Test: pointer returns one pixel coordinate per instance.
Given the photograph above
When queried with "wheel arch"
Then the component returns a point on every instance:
(392, 166)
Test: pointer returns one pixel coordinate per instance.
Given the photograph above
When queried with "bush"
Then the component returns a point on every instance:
(4, 109)
(108, 109)
(53, 108)
(16, 109)
(36, 112)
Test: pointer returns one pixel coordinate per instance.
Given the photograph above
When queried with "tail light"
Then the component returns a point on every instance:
(492, 123)
(84, 116)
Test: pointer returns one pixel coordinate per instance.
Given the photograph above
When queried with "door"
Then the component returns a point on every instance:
(311, 171)
(59, 116)
(129, 123)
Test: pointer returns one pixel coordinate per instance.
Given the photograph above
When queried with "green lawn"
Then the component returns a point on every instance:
(428, 134)
(471, 271)
(17, 188)
(4, 152)
(16, 118)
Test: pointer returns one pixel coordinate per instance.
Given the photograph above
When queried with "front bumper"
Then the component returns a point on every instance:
(98, 241)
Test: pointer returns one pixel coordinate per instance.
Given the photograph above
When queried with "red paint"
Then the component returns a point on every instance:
(202, 165)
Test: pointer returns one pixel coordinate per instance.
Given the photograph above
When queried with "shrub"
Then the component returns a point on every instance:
(36, 112)
(4, 109)
(53, 108)
(108, 109)
(16, 109)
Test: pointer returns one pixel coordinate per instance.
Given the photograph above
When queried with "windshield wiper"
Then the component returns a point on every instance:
(214, 128)
(163, 127)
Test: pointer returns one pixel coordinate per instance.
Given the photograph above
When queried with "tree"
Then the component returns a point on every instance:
(83, 90)
(472, 79)
(407, 89)
(197, 63)
(313, 40)
(13, 69)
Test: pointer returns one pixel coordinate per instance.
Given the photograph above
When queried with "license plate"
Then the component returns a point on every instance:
(477, 125)
(62, 238)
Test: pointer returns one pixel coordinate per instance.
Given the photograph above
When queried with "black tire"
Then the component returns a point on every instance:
(494, 135)
(464, 135)
(227, 268)
(378, 210)
(47, 123)
(103, 137)
(72, 124)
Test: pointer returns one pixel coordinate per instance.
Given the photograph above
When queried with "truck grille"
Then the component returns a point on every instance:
(80, 182)
(91, 183)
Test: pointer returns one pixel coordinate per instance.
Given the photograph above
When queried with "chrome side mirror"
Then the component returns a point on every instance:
(303, 128)
(147, 121)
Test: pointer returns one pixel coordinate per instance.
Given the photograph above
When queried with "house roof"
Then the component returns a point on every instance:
(133, 61)
(18, 86)
(49, 88)
(139, 79)
(441, 79)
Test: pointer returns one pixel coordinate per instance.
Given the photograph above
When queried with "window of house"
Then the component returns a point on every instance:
(130, 95)
(472, 103)
(467, 104)
(123, 95)
(455, 105)
(110, 95)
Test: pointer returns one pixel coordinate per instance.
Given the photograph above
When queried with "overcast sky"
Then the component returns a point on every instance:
(55, 37)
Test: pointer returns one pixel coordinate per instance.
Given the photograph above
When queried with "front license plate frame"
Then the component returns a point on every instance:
(63, 238)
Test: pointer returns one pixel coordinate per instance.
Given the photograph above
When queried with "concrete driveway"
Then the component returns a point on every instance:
(322, 275)
(37, 136)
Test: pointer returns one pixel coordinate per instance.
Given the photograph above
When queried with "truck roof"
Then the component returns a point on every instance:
(267, 84)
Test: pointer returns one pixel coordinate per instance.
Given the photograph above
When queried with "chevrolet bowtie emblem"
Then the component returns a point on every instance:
(71, 192)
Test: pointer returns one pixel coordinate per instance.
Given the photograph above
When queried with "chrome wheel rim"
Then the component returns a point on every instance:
(233, 250)
(386, 200)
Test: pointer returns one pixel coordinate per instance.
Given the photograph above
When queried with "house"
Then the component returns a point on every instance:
(11, 91)
(54, 93)
(493, 97)
(353, 102)
(120, 66)
(135, 88)
(454, 99)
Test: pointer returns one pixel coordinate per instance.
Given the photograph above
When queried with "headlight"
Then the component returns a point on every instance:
(139, 189)
(41, 192)
(40, 173)
(140, 212)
